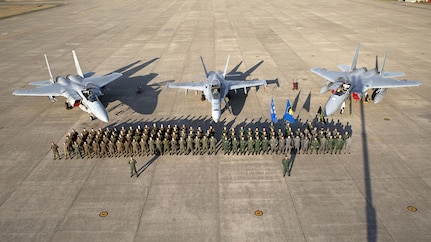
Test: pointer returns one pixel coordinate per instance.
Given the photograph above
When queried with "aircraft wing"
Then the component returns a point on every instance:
(199, 86)
(102, 81)
(328, 75)
(391, 74)
(241, 84)
(54, 89)
(41, 83)
(380, 82)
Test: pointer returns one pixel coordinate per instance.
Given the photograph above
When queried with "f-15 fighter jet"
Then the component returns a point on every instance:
(357, 81)
(216, 87)
(80, 90)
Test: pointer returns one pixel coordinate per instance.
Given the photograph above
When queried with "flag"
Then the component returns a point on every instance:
(273, 114)
(288, 114)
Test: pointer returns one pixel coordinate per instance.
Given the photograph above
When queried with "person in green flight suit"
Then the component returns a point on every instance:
(286, 165)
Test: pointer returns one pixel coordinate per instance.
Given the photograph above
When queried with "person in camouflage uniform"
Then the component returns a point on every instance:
(54, 148)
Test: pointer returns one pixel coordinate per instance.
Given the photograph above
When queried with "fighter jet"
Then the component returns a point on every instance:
(357, 81)
(80, 90)
(216, 87)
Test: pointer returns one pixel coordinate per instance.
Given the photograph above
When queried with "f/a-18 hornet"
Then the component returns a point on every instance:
(357, 81)
(81, 90)
(216, 87)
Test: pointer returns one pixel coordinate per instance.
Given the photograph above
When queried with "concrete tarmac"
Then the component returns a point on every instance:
(362, 196)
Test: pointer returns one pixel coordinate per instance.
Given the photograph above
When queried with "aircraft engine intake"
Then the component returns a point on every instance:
(378, 95)
(325, 87)
(75, 79)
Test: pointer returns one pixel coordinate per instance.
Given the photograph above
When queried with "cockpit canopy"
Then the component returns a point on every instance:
(215, 89)
(92, 98)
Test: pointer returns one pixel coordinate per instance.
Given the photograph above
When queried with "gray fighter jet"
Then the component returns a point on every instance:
(216, 87)
(79, 90)
(357, 81)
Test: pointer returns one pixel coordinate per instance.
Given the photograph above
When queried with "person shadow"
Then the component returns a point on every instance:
(293, 158)
(146, 165)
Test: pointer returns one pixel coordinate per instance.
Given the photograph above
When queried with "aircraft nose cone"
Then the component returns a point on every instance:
(103, 118)
(101, 115)
(333, 104)
(97, 109)
(329, 109)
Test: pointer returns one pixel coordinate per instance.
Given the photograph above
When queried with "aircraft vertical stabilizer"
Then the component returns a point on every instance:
(225, 68)
(383, 64)
(355, 58)
(205, 69)
(49, 69)
(78, 67)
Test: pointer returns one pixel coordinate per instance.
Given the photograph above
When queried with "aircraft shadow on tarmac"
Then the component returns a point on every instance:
(134, 91)
(369, 209)
(237, 100)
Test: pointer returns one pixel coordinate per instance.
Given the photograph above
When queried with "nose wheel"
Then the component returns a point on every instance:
(68, 107)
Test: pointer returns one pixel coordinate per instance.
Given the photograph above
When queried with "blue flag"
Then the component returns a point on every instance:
(288, 114)
(273, 114)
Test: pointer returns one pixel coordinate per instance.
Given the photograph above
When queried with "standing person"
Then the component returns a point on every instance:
(151, 146)
(54, 148)
(250, 146)
(265, 145)
(77, 150)
(339, 144)
(158, 144)
(323, 144)
(297, 144)
(197, 148)
(315, 146)
(135, 147)
(281, 145)
(204, 144)
(331, 144)
(144, 147)
(120, 147)
(226, 146)
(304, 145)
(66, 150)
(242, 145)
(182, 143)
(96, 149)
(286, 165)
(213, 144)
(189, 142)
(273, 142)
(132, 163)
(174, 146)
(348, 142)
(86, 149)
(257, 145)
(235, 146)
(166, 146)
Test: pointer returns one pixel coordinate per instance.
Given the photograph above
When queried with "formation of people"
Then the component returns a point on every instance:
(182, 140)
